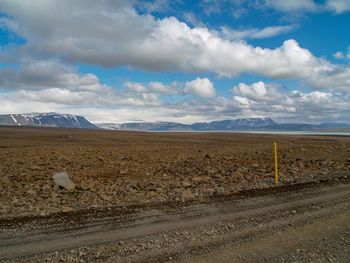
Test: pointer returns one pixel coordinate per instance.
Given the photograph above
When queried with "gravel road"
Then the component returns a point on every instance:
(300, 223)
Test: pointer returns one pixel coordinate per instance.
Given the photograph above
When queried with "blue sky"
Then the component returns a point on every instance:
(182, 61)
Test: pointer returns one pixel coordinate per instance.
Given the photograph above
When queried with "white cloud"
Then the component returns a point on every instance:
(124, 106)
(44, 74)
(136, 87)
(338, 6)
(258, 91)
(266, 32)
(339, 55)
(113, 34)
(154, 6)
(191, 18)
(49, 81)
(265, 100)
(154, 45)
(203, 88)
(291, 5)
(330, 77)
(66, 97)
(335, 6)
(160, 88)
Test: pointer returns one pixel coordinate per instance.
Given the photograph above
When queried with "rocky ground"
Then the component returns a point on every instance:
(300, 223)
(112, 169)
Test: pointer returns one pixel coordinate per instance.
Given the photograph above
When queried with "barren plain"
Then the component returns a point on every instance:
(138, 180)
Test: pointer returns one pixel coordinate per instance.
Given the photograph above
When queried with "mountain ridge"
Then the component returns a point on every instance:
(224, 125)
(53, 119)
(49, 119)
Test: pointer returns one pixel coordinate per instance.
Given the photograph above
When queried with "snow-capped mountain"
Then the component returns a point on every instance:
(51, 119)
(238, 124)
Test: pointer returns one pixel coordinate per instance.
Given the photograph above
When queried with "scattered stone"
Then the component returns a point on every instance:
(86, 184)
(220, 190)
(67, 209)
(197, 179)
(153, 194)
(255, 165)
(285, 156)
(5, 181)
(186, 195)
(43, 213)
(63, 158)
(249, 178)
(217, 176)
(31, 192)
(105, 197)
(159, 190)
(35, 168)
(186, 184)
(63, 180)
(46, 187)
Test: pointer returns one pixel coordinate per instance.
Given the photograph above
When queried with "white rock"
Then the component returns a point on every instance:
(63, 180)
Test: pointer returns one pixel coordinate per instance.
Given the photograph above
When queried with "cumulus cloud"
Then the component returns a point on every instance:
(112, 33)
(257, 91)
(339, 55)
(137, 87)
(266, 100)
(50, 81)
(249, 100)
(100, 33)
(43, 74)
(338, 6)
(201, 87)
(330, 77)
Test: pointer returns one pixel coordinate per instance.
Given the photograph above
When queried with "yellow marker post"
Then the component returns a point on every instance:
(276, 169)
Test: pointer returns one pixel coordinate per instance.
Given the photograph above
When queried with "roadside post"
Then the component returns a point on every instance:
(276, 168)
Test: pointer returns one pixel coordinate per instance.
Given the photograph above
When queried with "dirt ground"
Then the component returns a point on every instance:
(126, 180)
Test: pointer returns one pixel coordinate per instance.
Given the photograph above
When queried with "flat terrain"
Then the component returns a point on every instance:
(184, 197)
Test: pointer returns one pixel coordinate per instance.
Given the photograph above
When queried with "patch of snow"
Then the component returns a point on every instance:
(13, 118)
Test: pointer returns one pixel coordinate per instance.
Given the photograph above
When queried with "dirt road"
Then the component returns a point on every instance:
(300, 223)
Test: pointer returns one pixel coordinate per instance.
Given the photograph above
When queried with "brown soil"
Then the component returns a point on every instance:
(124, 168)
(187, 197)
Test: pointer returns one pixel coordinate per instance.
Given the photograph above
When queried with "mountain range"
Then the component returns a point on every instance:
(53, 119)
(224, 125)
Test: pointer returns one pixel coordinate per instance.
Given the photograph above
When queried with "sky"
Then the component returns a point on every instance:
(176, 60)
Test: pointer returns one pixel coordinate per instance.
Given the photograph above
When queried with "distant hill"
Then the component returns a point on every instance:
(51, 119)
(225, 125)
(238, 124)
